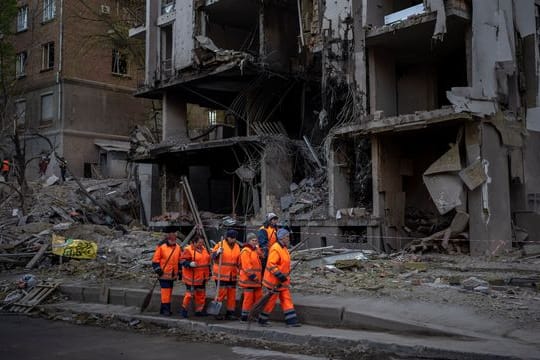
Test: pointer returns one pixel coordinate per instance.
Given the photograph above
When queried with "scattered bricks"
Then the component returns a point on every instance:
(473, 282)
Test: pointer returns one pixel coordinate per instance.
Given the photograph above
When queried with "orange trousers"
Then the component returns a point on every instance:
(227, 289)
(285, 299)
(166, 295)
(251, 297)
(200, 299)
(166, 290)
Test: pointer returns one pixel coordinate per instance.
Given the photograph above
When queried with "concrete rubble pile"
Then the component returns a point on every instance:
(97, 211)
(141, 139)
(306, 199)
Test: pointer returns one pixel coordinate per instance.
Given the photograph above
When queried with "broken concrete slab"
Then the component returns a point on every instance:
(449, 162)
(473, 282)
(445, 191)
(473, 175)
(474, 106)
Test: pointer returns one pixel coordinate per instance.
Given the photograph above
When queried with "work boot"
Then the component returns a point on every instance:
(230, 316)
(201, 313)
(184, 313)
(264, 323)
(243, 318)
(165, 309)
(295, 324)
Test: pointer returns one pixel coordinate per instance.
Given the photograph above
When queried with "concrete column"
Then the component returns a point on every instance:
(490, 228)
(174, 117)
(150, 195)
(339, 191)
(152, 34)
(276, 176)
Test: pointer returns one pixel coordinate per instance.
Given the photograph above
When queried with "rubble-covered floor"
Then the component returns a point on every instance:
(505, 288)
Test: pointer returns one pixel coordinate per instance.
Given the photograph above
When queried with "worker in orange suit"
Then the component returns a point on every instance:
(229, 251)
(5, 169)
(277, 280)
(267, 234)
(250, 274)
(195, 262)
(165, 263)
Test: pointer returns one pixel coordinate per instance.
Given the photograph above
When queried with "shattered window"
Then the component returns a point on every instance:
(119, 62)
(167, 6)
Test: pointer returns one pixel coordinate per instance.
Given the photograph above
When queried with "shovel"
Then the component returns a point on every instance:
(214, 308)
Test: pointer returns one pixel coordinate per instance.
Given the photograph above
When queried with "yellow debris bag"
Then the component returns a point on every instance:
(73, 248)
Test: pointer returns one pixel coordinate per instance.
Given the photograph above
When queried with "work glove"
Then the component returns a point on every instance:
(159, 271)
(192, 264)
(252, 277)
(219, 251)
(282, 278)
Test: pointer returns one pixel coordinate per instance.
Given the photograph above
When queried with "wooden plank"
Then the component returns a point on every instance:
(194, 208)
(37, 257)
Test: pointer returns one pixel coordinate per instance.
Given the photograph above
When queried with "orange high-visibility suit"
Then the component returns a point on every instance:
(277, 279)
(165, 264)
(250, 278)
(195, 277)
(228, 274)
(267, 236)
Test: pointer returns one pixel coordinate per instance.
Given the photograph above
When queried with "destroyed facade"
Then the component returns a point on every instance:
(380, 123)
(74, 86)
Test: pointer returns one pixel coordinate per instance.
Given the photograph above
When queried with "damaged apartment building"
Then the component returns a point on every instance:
(385, 123)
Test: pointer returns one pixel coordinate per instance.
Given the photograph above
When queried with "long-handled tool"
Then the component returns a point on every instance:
(148, 297)
(214, 308)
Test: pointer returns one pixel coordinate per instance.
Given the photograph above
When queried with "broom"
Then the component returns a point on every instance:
(148, 297)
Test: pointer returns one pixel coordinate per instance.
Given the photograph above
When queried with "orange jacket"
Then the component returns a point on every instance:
(279, 262)
(5, 165)
(250, 264)
(271, 236)
(161, 256)
(201, 272)
(229, 263)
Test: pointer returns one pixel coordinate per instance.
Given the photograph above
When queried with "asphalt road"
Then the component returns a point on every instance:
(25, 338)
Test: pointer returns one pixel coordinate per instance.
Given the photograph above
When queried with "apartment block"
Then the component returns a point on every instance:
(74, 86)
(383, 123)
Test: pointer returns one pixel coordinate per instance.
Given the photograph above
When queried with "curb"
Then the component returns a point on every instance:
(324, 316)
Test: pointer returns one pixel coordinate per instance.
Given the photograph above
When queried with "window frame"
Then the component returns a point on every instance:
(42, 120)
(21, 120)
(46, 56)
(49, 10)
(22, 10)
(117, 57)
(20, 65)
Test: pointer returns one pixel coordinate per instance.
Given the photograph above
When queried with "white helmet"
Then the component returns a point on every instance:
(271, 216)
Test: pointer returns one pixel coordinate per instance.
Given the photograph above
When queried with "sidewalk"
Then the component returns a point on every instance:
(410, 327)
